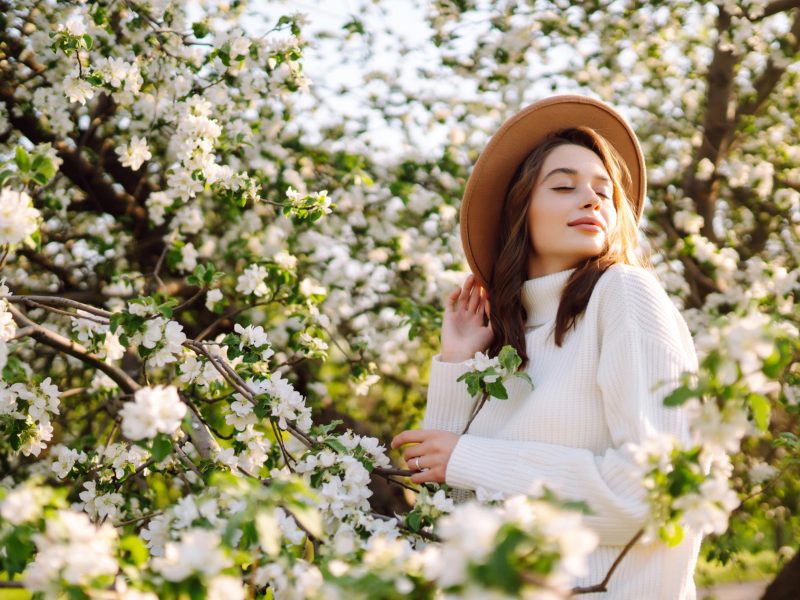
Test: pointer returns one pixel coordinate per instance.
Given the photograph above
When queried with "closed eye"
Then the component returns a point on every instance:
(601, 194)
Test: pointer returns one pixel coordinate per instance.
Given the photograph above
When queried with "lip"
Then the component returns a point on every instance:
(588, 223)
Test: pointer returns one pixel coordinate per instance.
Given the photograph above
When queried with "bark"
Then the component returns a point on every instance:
(786, 586)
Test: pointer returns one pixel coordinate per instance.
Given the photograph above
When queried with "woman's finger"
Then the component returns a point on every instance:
(467, 291)
(410, 436)
(450, 303)
(474, 299)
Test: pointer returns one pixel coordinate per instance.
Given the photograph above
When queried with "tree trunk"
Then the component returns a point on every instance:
(786, 585)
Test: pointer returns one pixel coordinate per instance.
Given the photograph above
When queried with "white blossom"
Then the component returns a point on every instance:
(72, 549)
(153, 410)
(134, 154)
(212, 297)
(198, 551)
(21, 504)
(18, 217)
(251, 281)
(77, 89)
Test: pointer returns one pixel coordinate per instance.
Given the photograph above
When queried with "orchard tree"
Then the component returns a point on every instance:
(210, 324)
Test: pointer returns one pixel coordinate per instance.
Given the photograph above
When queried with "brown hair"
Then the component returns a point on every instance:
(508, 314)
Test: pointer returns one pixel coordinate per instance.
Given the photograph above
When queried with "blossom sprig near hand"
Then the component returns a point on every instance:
(488, 375)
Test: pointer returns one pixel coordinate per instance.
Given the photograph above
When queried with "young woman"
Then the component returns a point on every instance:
(549, 227)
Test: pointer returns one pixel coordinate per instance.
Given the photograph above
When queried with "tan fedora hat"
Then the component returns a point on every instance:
(488, 184)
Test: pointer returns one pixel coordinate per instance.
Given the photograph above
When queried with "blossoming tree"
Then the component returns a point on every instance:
(192, 290)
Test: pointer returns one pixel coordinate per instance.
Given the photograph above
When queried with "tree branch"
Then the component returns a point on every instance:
(67, 346)
(716, 126)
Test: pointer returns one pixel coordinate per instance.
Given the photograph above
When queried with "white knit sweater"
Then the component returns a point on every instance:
(603, 388)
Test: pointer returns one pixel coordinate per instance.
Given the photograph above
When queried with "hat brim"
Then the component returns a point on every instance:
(484, 196)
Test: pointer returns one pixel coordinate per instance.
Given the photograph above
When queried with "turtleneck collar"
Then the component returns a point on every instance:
(541, 296)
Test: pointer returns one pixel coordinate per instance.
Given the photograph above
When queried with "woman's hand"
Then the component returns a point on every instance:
(430, 453)
(463, 331)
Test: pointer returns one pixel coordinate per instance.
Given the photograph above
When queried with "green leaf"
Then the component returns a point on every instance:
(761, 408)
(136, 548)
(40, 178)
(19, 549)
(679, 396)
(22, 159)
(5, 175)
(99, 16)
(87, 39)
(414, 521)
(42, 164)
(200, 30)
(526, 377)
(162, 446)
(336, 445)
(497, 390)
(509, 358)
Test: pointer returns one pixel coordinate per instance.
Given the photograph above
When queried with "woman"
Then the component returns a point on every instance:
(599, 337)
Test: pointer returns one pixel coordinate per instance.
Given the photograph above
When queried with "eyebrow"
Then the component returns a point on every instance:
(569, 171)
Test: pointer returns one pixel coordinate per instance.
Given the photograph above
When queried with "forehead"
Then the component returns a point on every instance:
(574, 157)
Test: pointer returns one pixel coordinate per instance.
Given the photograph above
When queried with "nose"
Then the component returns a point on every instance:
(593, 199)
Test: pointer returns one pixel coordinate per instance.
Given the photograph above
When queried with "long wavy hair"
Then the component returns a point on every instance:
(508, 314)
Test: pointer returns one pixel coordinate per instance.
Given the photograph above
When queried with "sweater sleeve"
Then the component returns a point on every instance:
(645, 347)
(449, 404)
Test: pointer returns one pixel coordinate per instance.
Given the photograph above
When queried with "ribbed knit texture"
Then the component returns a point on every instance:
(603, 388)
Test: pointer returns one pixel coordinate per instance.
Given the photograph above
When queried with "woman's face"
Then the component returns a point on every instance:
(573, 186)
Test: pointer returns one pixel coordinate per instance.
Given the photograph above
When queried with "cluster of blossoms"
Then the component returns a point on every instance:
(686, 488)
(27, 409)
(340, 470)
(283, 402)
(18, 218)
(312, 206)
(72, 552)
(189, 540)
(96, 336)
(550, 548)
(254, 337)
(160, 340)
(252, 281)
(472, 534)
(153, 410)
(200, 371)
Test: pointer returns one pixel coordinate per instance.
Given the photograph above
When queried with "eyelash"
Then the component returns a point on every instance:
(604, 196)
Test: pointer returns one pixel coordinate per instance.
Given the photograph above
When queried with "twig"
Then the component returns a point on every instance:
(475, 411)
(186, 303)
(230, 315)
(58, 311)
(601, 587)
(184, 458)
(137, 519)
(22, 332)
(159, 264)
(58, 301)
